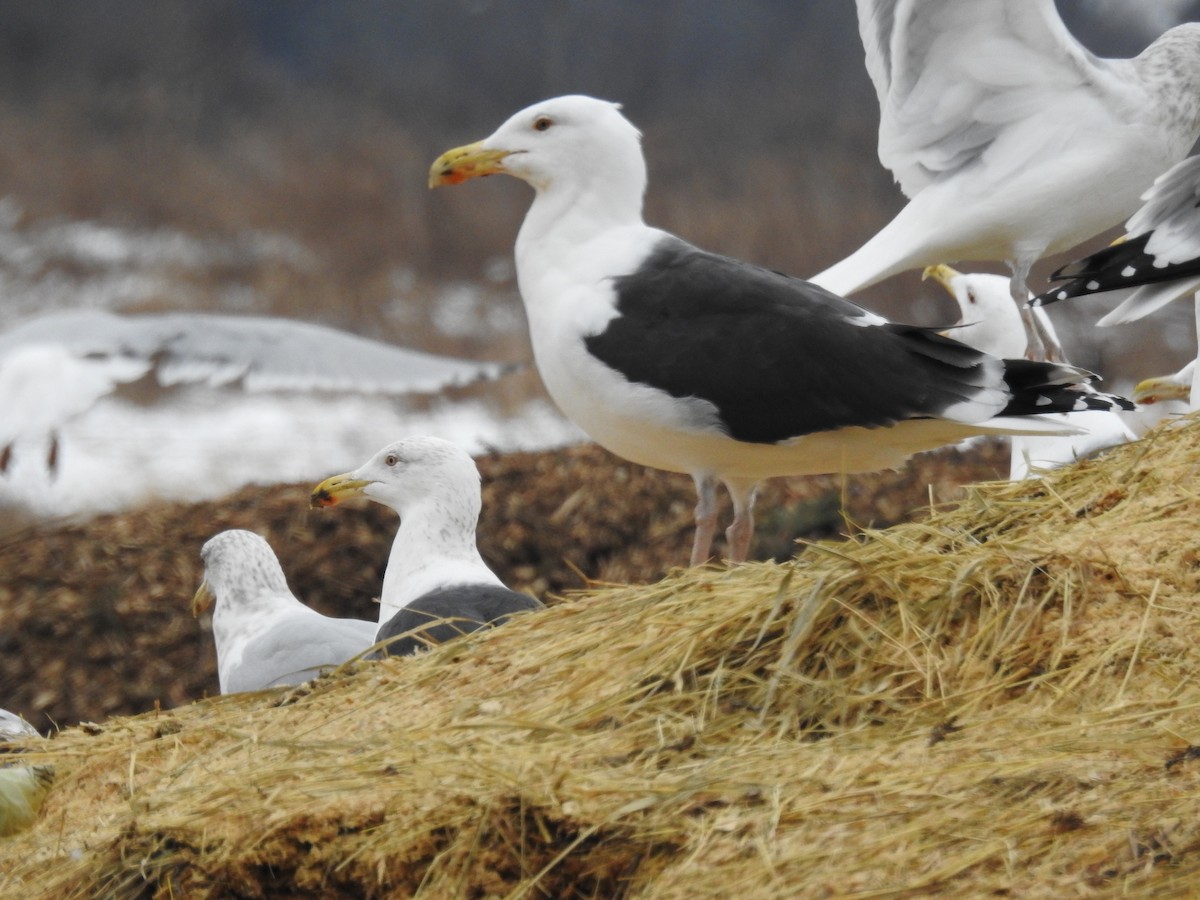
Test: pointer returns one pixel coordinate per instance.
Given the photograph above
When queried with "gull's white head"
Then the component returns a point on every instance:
(573, 140)
(408, 473)
(989, 321)
(239, 566)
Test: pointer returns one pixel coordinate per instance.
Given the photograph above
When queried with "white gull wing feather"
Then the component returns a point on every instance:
(298, 645)
(265, 636)
(1171, 214)
(14, 728)
(989, 79)
(1148, 298)
(22, 788)
(1157, 262)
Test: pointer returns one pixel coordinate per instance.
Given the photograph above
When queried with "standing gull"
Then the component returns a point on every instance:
(22, 788)
(990, 322)
(1011, 140)
(436, 586)
(266, 637)
(691, 362)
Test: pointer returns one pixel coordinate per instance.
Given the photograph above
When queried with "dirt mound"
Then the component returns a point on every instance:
(94, 619)
(997, 700)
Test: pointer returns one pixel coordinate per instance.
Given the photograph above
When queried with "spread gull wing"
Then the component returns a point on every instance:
(960, 81)
(263, 354)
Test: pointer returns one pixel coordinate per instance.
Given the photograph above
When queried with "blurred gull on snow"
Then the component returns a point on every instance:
(233, 400)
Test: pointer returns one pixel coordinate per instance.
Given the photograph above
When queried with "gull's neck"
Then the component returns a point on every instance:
(573, 211)
(434, 546)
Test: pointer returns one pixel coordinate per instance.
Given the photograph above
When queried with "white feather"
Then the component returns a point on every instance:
(1000, 127)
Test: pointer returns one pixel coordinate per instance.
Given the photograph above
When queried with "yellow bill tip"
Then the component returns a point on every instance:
(334, 489)
(463, 163)
(1158, 390)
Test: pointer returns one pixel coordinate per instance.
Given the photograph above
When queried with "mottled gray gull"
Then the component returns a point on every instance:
(265, 637)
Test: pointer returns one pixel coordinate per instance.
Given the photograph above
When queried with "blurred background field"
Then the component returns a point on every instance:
(270, 156)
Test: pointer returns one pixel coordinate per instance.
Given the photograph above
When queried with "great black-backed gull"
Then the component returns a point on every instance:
(1009, 137)
(1155, 262)
(22, 788)
(57, 366)
(436, 585)
(265, 637)
(989, 321)
(691, 362)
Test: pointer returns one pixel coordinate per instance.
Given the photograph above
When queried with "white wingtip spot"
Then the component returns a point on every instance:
(1128, 271)
(1093, 285)
(868, 318)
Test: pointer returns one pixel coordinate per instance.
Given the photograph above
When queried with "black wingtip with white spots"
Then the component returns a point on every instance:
(1039, 387)
(1123, 265)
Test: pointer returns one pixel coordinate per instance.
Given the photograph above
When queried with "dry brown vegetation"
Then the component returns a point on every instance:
(1000, 699)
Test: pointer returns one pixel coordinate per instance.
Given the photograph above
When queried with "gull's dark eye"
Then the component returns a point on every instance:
(542, 123)
(971, 297)
(391, 459)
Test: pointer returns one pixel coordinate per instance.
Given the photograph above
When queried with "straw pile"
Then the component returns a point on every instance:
(1000, 699)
